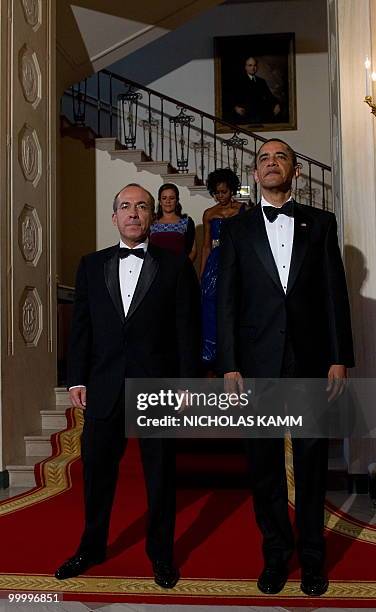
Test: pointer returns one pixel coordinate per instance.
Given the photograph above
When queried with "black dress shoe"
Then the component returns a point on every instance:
(314, 582)
(272, 579)
(165, 574)
(78, 564)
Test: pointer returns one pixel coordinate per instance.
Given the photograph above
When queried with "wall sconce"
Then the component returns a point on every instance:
(370, 79)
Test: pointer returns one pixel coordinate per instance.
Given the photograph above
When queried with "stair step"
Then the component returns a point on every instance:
(156, 167)
(182, 180)
(6, 494)
(39, 444)
(108, 144)
(21, 474)
(53, 419)
(62, 397)
(200, 189)
(130, 155)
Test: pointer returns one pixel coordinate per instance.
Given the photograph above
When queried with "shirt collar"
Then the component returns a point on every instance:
(142, 245)
(266, 203)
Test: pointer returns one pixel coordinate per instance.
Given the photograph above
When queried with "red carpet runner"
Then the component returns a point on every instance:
(217, 543)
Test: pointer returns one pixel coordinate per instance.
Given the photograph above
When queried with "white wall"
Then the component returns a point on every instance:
(180, 64)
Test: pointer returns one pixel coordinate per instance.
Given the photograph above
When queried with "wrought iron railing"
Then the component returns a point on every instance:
(189, 139)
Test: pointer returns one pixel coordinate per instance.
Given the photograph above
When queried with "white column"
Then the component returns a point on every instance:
(27, 220)
(353, 147)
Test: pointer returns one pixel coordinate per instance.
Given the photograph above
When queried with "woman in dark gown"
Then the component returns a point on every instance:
(173, 230)
(223, 185)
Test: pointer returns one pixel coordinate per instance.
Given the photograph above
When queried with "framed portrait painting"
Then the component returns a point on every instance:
(255, 81)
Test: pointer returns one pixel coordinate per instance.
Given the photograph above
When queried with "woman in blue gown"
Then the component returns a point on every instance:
(223, 185)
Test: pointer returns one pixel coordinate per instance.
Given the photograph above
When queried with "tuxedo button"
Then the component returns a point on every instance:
(282, 331)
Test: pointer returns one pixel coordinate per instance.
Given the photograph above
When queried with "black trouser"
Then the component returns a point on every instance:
(270, 497)
(102, 446)
(268, 477)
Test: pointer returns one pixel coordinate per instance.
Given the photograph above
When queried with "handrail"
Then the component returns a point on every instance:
(141, 117)
(179, 103)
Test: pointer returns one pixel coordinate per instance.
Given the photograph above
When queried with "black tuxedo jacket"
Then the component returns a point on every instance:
(255, 314)
(159, 337)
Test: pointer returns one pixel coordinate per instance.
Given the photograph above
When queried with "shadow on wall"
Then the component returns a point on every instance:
(194, 40)
(80, 23)
(363, 313)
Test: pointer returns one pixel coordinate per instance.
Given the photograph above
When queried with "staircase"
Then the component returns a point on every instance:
(116, 167)
(38, 443)
(163, 169)
(93, 34)
(165, 136)
(38, 447)
(148, 138)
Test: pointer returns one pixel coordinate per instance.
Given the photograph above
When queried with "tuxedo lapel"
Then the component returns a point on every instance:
(111, 275)
(300, 244)
(148, 271)
(260, 242)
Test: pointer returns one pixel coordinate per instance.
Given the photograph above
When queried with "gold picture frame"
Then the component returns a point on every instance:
(255, 83)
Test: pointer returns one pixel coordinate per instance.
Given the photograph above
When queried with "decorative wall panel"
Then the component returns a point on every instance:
(30, 235)
(31, 324)
(30, 75)
(33, 12)
(30, 154)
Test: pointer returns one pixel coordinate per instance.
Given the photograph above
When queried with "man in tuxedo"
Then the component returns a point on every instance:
(283, 312)
(254, 102)
(136, 315)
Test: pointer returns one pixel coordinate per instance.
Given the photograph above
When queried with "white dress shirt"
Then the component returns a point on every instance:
(280, 236)
(129, 272)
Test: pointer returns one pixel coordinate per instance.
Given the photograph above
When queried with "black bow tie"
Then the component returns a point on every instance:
(272, 212)
(125, 252)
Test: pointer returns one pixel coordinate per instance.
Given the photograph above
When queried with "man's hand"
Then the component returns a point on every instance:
(337, 377)
(77, 397)
(276, 110)
(234, 382)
